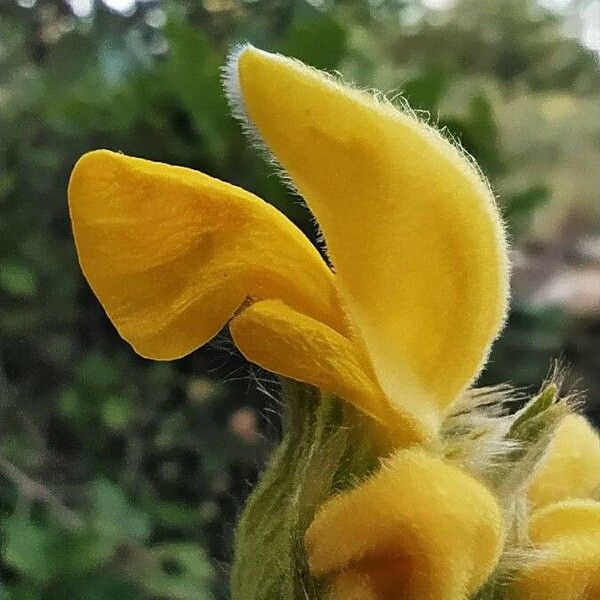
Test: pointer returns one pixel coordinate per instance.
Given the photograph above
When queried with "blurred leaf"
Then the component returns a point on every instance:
(83, 552)
(68, 402)
(179, 572)
(482, 119)
(483, 130)
(29, 548)
(117, 412)
(520, 207)
(114, 518)
(18, 280)
(319, 42)
(95, 587)
(477, 133)
(23, 591)
(7, 183)
(97, 372)
(174, 514)
(193, 75)
(426, 90)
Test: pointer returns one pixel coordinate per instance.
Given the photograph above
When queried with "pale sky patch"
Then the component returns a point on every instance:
(122, 6)
(81, 8)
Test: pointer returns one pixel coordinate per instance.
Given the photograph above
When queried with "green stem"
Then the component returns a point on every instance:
(323, 451)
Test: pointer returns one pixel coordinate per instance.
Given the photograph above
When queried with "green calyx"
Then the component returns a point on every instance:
(529, 433)
(324, 450)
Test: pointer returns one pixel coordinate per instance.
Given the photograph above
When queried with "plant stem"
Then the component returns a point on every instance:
(323, 451)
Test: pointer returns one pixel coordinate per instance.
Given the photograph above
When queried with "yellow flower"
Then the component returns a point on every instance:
(567, 534)
(413, 232)
(565, 525)
(572, 467)
(399, 328)
(419, 529)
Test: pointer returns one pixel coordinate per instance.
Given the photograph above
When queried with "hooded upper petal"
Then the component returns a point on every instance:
(419, 529)
(568, 536)
(411, 227)
(172, 253)
(571, 468)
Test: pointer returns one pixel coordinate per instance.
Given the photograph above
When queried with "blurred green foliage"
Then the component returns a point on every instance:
(121, 478)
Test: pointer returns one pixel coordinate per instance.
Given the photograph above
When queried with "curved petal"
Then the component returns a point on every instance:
(418, 529)
(172, 253)
(568, 533)
(289, 343)
(411, 226)
(572, 467)
(562, 520)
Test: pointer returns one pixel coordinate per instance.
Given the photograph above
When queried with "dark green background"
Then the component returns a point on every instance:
(121, 478)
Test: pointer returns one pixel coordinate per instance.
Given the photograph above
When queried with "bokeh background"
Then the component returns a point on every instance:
(121, 478)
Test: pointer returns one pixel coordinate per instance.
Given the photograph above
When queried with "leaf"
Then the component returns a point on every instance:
(178, 572)
(481, 113)
(102, 586)
(534, 408)
(319, 42)
(22, 591)
(18, 280)
(193, 76)
(176, 515)
(28, 548)
(117, 412)
(425, 91)
(8, 182)
(477, 132)
(98, 373)
(522, 204)
(114, 518)
(83, 551)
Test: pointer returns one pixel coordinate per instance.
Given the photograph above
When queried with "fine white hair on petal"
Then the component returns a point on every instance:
(233, 93)
(235, 97)
(394, 102)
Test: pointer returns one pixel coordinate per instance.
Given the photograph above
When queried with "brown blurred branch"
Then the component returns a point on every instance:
(34, 491)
